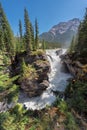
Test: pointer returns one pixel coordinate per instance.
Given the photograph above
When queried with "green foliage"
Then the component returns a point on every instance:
(72, 46)
(3, 117)
(27, 31)
(82, 35)
(41, 62)
(51, 45)
(32, 37)
(8, 90)
(63, 106)
(13, 94)
(20, 29)
(37, 52)
(28, 72)
(15, 119)
(33, 128)
(7, 39)
(36, 35)
(20, 41)
(70, 122)
(43, 45)
(5, 60)
(23, 66)
(77, 93)
(18, 110)
(3, 84)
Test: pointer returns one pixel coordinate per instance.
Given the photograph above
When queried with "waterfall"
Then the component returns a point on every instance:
(58, 82)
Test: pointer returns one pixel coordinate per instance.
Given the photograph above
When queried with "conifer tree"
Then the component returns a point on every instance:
(71, 49)
(36, 34)
(20, 29)
(1, 41)
(32, 36)
(18, 44)
(27, 31)
(43, 45)
(21, 44)
(82, 35)
(7, 34)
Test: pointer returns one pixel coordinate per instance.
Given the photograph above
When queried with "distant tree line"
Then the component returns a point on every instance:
(50, 45)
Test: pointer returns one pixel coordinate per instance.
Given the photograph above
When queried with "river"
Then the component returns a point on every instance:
(58, 82)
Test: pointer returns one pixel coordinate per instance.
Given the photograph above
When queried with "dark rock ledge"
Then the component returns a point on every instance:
(33, 86)
(75, 65)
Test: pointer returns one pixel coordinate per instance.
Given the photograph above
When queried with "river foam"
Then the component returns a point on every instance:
(58, 82)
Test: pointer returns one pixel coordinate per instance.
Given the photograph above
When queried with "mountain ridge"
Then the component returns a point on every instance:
(62, 32)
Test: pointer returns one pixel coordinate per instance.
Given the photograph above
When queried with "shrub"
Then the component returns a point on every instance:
(28, 72)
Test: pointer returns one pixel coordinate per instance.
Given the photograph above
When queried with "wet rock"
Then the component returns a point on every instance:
(32, 88)
(44, 84)
(74, 65)
(43, 68)
(59, 52)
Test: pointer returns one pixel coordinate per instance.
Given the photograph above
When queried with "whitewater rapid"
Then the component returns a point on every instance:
(58, 82)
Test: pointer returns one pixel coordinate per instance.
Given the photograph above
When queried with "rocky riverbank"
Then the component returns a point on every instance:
(76, 91)
(34, 80)
(76, 65)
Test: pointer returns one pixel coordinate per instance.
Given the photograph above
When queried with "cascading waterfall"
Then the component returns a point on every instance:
(58, 82)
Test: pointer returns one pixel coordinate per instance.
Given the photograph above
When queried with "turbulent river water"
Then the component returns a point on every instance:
(58, 82)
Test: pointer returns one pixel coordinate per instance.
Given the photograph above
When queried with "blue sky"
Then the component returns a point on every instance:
(48, 12)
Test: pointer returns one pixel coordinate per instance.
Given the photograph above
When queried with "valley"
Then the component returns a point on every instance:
(43, 77)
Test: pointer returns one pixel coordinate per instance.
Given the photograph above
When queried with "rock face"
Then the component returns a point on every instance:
(59, 52)
(33, 86)
(75, 65)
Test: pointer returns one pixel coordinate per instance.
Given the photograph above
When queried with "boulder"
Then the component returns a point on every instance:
(32, 88)
(44, 84)
(59, 52)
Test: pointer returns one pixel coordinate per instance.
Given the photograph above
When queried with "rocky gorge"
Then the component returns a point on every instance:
(76, 65)
(35, 79)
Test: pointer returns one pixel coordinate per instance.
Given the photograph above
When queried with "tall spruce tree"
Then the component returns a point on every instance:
(27, 31)
(21, 44)
(36, 34)
(72, 45)
(18, 44)
(82, 35)
(7, 34)
(43, 45)
(32, 36)
(1, 41)
(20, 29)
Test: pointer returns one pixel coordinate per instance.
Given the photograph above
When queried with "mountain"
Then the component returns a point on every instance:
(62, 32)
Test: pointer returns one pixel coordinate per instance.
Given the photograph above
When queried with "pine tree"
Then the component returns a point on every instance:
(18, 44)
(32, 36)
(36, 34)
(72, 45)
(43, 45)
(20, 29)
(21, 44)
(27, 31)
(1, 41)
(7, 34)
(82, 35)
